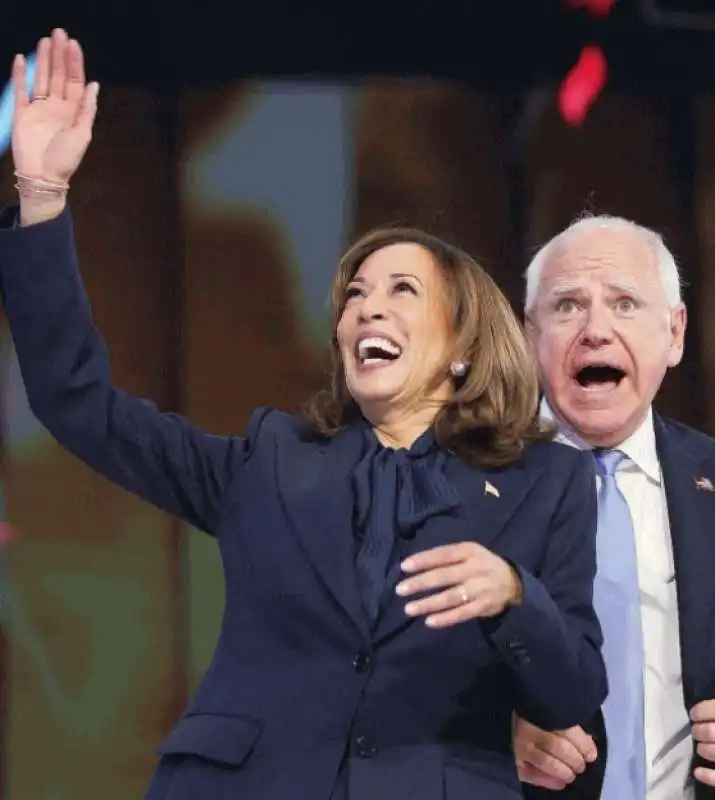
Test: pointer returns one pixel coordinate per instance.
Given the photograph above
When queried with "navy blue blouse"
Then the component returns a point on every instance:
(395, 491)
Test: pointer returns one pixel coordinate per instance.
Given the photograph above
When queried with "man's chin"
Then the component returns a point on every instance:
(598, 398)
(599, 427)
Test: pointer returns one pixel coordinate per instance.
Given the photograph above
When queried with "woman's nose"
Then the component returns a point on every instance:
(373, 307)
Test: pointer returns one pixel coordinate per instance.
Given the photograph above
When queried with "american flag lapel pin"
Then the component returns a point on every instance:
(704, 485)
(493, 491)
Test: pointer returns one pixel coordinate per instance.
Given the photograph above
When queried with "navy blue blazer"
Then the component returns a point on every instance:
(298, 681)
(685, 455)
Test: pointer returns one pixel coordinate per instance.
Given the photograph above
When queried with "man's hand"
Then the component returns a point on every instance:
(551, 760)
(702, 716)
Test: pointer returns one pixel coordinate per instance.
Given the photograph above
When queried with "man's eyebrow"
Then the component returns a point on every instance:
(625, 287)
(566, 287)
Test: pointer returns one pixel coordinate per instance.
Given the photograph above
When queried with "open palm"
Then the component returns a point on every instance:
(51, 130)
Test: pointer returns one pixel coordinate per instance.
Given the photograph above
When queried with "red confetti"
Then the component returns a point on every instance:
(582, 85)
(598, 8)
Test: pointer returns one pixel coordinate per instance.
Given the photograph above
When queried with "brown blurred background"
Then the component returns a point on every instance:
(209, 218)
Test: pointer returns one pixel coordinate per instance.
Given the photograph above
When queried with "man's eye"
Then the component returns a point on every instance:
(626, 304)
(567, 306)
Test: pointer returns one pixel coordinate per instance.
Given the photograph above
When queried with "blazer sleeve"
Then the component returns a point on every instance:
(66, 371)
(552, 641)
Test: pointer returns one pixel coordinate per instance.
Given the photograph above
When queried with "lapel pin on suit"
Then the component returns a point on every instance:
(704, 485)
(492, 490)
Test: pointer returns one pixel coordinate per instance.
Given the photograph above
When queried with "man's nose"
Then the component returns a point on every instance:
(598, 328)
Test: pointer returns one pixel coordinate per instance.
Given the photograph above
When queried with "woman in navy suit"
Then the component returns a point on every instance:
(406, 567)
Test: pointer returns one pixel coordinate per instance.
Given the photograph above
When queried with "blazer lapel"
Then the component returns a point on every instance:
(314, 480)
(489, 499)
(691, 511)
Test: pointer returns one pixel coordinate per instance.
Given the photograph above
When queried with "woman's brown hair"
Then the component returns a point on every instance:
(492, 414)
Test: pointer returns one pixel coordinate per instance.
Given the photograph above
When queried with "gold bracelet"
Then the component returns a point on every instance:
(33, 186)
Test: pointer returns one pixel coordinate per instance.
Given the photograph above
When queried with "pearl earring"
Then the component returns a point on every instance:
(458, 368)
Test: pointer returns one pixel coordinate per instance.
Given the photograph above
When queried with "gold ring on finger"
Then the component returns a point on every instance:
(464, 595)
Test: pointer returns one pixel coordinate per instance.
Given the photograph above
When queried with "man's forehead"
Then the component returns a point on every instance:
(566, 285)
(618, 260)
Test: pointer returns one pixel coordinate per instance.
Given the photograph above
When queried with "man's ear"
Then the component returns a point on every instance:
(678, 324)
(530, 330)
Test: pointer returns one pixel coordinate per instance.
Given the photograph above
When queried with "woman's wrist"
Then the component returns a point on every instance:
(40, 199)
(34, 210)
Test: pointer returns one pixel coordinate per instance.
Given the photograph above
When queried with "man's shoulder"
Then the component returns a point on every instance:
(677, 432)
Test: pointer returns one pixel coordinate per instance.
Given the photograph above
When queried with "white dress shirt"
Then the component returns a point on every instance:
(669, 747)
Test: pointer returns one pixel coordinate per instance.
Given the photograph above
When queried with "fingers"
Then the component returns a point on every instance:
(457, 568)
(74, 67)
(561, 755)
(704, 775)
(87, 109)
(441, 556)
(451, 601)
(704, 732)
(436, 578)
(451, 598)
(58, 61)
(528, 773)
(553, 767)
(457, 615)
(566, 753)
(19, 81)
(703, 712)
(60, 67)
(556, 757)
(42, 68)
(582, 742)
(703, 717)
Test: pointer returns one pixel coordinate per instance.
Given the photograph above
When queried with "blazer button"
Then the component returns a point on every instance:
(361, 661)
(520, 654)
(365, 747)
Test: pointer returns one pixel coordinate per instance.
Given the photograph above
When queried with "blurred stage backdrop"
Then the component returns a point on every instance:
(208, 224)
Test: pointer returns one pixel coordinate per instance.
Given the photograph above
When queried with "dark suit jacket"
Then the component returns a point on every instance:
(298, 680)
(685, 454)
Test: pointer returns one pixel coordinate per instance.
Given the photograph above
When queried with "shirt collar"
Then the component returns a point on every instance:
(640, 447)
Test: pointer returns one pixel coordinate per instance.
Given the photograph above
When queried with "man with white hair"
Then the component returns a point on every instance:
(606, 321)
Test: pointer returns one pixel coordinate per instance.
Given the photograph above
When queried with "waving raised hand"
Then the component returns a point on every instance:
(53, 127)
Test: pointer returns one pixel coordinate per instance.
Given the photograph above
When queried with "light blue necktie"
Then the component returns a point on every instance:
(617, 602)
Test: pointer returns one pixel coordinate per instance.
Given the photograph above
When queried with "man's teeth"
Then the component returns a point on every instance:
(375, 348)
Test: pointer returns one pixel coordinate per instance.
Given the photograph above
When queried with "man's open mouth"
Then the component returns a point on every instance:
(599, 376)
